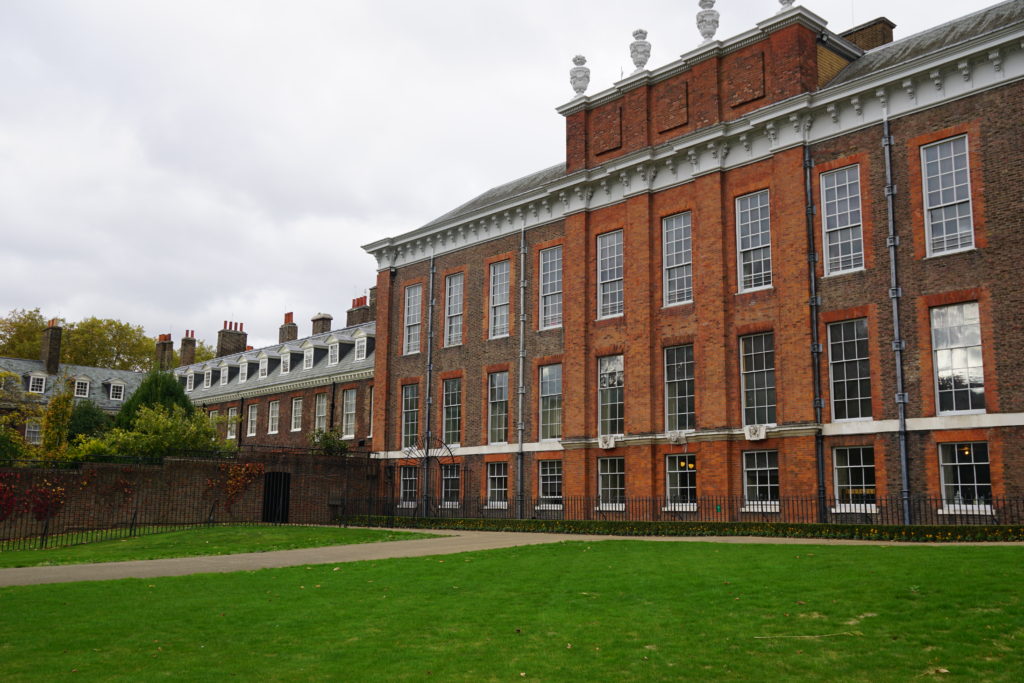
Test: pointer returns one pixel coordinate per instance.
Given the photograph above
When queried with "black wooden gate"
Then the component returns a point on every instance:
(276, 490)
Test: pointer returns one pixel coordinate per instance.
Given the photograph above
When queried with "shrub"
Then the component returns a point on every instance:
(157, 389)
(328, 442)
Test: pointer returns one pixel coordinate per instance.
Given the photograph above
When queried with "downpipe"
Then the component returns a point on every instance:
(429, 394)
(520, 378)
(816, 347)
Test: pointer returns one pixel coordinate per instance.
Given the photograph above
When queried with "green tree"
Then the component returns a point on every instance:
(159, 431)
(106, 343)
(15, 408)
(21, 333)
(57, 419)
(157, 389)
(88, 420)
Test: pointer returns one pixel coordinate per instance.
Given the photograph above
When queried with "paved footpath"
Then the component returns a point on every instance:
(450, 541)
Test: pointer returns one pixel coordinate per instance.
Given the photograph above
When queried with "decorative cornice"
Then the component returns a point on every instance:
(807, 118)
(312, 382)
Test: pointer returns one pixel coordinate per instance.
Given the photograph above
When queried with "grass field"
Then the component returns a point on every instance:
(609, 610)
(215, 540)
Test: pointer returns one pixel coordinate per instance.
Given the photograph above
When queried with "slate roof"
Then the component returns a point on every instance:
(100, 380)
(932, 40)
(502, 193)
(322, 370)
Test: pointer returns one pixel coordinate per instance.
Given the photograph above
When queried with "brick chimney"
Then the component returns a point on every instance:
(164, 352)
(50, 352)
(188, 348)
(231, 339)
(870, 35)
(289, 331)
(322, 323)
(364, 309)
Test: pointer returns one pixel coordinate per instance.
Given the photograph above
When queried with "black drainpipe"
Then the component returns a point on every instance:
(895, 293)
(429, 394)
(816, 348)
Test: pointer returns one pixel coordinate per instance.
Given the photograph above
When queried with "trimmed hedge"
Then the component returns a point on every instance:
(920, 534)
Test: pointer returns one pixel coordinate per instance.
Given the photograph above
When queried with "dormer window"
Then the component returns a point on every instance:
(116, 392)
(361, 348)
(81, 388)
(224, 372)
(286, 363)
(207, 378)
(243, 371)
(36, 384)
(333, 353)
(190, 382)
(263, 368)
(307, 359)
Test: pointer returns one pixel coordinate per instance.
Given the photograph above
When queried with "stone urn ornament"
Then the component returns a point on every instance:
(786, 4)
(707, 20)
(579, 75)
(640, 50)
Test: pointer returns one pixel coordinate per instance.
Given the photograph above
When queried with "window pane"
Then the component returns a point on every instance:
(956, 345)
(753, 227)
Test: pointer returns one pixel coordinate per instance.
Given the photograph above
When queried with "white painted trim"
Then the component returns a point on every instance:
(761, 506)
(853, 508)
(924, 424)
(679, 507)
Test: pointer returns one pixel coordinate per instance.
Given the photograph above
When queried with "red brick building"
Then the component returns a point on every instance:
(279, 395)
(775, 278)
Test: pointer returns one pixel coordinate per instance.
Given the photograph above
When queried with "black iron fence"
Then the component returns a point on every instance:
(884, 511)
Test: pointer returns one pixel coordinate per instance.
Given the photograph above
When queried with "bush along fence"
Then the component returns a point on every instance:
(826, 518)
(45, 504)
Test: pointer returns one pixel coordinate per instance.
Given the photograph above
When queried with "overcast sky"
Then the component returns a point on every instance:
(176, 163)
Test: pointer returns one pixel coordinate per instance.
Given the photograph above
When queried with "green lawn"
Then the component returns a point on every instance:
(609, 610)
(216, 540)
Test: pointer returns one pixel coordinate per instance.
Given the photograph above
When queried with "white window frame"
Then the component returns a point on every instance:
(497, 407)
(451, 488)
(839, 363)
(252, 420)
(499, 308)
(610, 272)
(232, 426)
(454, 300)
(749, 375)
(348, 413)
(451, 410)
(677, 259)
(333, 353)
(273, 417)
(760, 478)
(549, 486)
(950, 479)
(33, 432)
(952, 358)
(550, 398)
(410, 415)
(320, 413)
(35, 380)
(413, 315)
(957, 201)
(243, 372)
(369, 402)
(308, 358)
(263, 368)
(360, 351)
(842, 221)
(680, 375)
(550, 311)
(190, 382)
(611, 395)
(845, 469)
(81, 388)
(408, 483)
(213, 415)
(744, 209)
(680, 482)
(497, 486)
(207, 378)
(611, 483)
(296, 415)
(116, 391)
(286, 363)
(225, 372)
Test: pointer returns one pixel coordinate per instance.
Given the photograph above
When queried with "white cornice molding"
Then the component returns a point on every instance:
(311, 383)
(917, 85)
